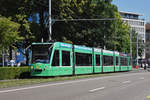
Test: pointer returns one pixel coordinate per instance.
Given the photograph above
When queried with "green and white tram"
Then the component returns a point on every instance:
(56, 59)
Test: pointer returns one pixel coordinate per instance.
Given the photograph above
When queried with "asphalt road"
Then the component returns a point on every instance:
(126, 86)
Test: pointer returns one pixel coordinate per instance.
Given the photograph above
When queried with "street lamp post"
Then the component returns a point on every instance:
(104, 43)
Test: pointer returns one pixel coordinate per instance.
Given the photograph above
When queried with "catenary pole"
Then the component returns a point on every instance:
(137, 51)
(50, 21)
(131, 43)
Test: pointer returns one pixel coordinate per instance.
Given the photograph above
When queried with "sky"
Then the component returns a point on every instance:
(135, 6)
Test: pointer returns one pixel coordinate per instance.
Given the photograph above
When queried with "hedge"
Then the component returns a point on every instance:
(14, 72)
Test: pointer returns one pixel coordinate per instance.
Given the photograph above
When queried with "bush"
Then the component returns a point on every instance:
(14, 72)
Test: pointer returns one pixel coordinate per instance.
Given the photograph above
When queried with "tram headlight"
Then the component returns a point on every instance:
(37, 67)
(31, 67)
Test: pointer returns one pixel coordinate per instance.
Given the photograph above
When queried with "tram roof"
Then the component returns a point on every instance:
(68, 45)
(40, 43)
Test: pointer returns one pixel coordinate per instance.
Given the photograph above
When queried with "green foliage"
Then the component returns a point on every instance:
(14, 72)
(113, 33)
(134, 45)
(134, 41)
(67, 41)
(122, 36)
(25, 30)
(8, 32)
(41, 29)
(141, 46)
(19, 11)
(10, 7)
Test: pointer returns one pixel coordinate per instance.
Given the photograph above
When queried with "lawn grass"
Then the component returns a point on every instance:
(31, 81)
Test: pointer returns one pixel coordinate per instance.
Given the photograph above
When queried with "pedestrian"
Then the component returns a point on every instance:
(12, 63)
(142, 65)
(145, 66)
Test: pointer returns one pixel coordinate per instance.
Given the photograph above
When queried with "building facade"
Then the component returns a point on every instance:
(136, 24)
(147, 50)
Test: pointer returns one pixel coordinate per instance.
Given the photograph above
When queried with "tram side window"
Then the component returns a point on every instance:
(124, 61)
(65, 58)
(130, 63)
(127, 61)
(97, 60)
(117, 61)
(108, 60)
(83, 59)
(55, 61)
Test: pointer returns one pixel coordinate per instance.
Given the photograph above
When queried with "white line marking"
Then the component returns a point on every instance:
(142, 78)
(93, 90)
(70, 82)
(126, 82)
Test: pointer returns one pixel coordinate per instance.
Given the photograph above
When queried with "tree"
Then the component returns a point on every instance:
(114, 34)
(78, 31)
(9, 32)
(134, 45)
(40, 8)
(19, 11)
(122, 36)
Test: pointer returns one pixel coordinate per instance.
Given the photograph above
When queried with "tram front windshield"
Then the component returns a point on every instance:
(41, 53)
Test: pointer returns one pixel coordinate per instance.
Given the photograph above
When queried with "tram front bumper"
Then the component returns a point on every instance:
(36, 68)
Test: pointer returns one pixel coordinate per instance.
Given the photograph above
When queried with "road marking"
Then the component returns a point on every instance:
(93, 90)
(126, 82)
(148, 97)
(70, 82)
(142, 78)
